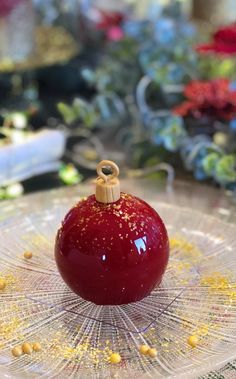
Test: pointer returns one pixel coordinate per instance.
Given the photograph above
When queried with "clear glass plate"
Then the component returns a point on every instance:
(197, 296)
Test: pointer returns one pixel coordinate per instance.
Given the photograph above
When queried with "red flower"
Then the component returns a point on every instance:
(109, 19)
(115, 33)
(224, 42)
(212, 99)
(6, 6)
(110, 23)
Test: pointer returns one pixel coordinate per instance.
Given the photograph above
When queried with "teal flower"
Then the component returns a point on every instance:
(168, 132)
(173, 133)
(209, 163)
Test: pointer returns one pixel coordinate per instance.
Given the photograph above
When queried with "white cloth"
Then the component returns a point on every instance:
(35, 154)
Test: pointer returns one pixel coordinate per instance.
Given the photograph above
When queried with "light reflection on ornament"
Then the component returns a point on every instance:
(140, 244)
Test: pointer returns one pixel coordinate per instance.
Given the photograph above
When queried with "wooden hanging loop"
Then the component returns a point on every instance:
(112, 165)
(107, 186)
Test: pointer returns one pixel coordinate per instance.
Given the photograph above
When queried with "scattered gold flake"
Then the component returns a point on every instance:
(221, 285)
(9, 329)
(180, 266)
(37, 240)
(203, 330)
(116, 206)
(95, 355)
(186, 249)
(9, 279)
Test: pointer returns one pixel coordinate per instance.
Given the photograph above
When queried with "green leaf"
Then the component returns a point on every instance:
(69, 174)
(67, 112)
(85, 112)
(209, 163)
(225, 171)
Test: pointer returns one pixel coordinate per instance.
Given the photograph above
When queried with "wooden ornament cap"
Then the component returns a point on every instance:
(107, 186)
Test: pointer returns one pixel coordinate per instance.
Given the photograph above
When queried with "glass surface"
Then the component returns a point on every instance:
(197, 295)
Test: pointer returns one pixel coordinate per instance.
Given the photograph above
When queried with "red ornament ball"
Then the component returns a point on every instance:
(113, 253)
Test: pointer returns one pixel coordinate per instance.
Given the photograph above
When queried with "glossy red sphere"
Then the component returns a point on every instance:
(112, 253)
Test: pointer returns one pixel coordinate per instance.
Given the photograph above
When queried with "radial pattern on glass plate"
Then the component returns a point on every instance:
(197, 297)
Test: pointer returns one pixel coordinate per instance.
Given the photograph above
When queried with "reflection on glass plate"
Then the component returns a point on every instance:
(197, 297)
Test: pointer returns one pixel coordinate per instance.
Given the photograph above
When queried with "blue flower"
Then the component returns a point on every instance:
(200, 174)
(187, 30)
(175, 73)
(192, 150)
(201, 156)
(154, 10)
(232, 86)
(232, 125)
(169, 132)
(155, 125)
(135, 29)
(165, 31)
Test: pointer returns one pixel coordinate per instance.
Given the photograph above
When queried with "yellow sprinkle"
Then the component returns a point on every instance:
(27, 348)
(17, 351)
(2, 284)
(152, 352)
(203, 330)
(143, 349)
(28, 255)
(115, 358)
(37, 346)
(193, 341)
